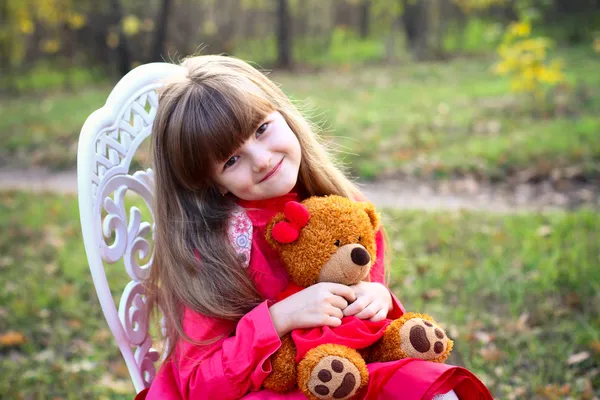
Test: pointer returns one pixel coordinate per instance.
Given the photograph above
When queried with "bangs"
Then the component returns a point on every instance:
(206, 123)
(224, 119)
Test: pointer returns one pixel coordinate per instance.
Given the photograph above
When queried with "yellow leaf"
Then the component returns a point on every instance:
(12, 338)
(26, 26)
(75, 21)
(209, 28)
(130, 25)
(50, 46)
(596, 45)
(520, 29)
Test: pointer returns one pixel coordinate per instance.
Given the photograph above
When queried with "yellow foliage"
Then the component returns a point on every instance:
(525, 60)
(520, 29)
(210, 27)
(596, 45)
(75, 21)
(50, 46)
(26, 26)
(130, 25)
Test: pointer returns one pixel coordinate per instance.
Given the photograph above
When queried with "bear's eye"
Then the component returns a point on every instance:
(359, 238)
(337, 243)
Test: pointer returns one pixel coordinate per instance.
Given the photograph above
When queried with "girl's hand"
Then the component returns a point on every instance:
(317, 305)
(373, 302)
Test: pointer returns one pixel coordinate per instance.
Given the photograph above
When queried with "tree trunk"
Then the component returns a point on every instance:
(284, 42)
(420, 21)
(123, 54)
(365, 14)
(160, 34)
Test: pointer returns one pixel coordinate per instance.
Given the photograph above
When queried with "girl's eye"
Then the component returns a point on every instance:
(337, 243)
(261, 129)
(231, 161)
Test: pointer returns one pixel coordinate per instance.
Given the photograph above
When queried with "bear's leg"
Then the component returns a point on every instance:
(332, 371)
(413, 335)
(284, 375)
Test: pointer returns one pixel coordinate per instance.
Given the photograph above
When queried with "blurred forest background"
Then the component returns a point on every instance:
(461, 94)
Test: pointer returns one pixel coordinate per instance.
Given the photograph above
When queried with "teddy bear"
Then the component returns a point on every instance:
(333, 239)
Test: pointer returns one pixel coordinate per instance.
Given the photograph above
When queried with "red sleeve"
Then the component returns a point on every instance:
(230, 367)
(378, 275)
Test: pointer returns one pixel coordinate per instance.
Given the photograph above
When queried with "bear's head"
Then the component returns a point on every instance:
(325, 239)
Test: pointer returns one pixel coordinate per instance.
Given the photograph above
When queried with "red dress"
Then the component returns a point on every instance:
(236, 366)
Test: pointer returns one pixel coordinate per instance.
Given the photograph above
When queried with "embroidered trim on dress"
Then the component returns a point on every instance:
(240, 235)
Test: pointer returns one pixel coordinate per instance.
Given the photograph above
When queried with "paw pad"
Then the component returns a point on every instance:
(334, 377)
(423, 339)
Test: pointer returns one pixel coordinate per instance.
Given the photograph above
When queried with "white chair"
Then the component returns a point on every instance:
(107, 144)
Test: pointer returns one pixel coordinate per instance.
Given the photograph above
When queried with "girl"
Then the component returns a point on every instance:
(230, 150)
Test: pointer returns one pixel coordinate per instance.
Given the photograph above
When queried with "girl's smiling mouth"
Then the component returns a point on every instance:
(272, 172)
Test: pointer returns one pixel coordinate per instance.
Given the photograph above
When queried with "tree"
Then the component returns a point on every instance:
(284, 42)
(365, 14)
(160, 34)
(123, 53)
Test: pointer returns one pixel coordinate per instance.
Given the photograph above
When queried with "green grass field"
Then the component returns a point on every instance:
(519, 294)
(431, 119)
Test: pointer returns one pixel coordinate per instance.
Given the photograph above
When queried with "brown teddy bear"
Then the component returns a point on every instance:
(333, 239)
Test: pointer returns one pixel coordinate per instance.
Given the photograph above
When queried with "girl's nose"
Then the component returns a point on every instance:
(262, 160)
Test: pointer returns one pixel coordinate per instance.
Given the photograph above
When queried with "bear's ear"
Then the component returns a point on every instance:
(269, 231)
(373, 215)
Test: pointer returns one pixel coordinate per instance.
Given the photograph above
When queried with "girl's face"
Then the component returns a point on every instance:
(265, 166)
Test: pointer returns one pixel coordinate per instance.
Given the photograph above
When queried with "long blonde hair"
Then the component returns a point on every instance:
(204, 114)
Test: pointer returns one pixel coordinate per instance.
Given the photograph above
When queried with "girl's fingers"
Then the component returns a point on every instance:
(369, 311)
(343, 291)
(360, 304)
(380, 316)
(339, 302)
(333, 322)
(335, 312)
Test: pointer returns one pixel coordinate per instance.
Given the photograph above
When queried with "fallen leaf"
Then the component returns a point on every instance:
(119, 369)
(431, 294)
(544, 231)
(491, 353)
(484, 337)
(578, 357)
(45, 355)
(66, 290)
(79, 366)
(6, 261)
(102, 335)
(12, 338)
(74, 323)
(522, 322)
(595, 345)
(119, 386)
(50, 268)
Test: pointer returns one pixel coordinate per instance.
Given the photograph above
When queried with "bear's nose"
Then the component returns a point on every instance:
(360, 256)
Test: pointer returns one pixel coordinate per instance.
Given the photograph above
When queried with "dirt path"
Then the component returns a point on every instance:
(404, 194)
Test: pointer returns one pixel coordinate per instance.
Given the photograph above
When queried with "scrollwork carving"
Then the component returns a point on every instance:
(132, 236)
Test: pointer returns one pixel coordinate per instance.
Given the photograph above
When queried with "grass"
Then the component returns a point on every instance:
(433, 119)
(519, 294)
